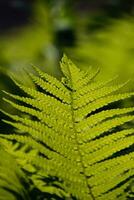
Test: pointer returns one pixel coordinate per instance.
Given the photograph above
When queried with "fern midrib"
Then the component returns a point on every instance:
(76, 139)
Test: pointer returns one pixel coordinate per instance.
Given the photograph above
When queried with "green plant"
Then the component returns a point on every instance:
(73, 145)
(13, 182)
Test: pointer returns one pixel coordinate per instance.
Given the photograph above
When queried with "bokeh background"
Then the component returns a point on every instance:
(95, 33)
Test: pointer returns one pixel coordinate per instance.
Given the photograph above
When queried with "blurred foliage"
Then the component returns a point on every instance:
(13, 182)
(27, 45)
(112, 49)
(55, 27)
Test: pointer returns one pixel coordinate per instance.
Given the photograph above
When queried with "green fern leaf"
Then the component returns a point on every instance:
(72, 136)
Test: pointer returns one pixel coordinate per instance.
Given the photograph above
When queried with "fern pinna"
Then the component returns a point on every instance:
(66, 133)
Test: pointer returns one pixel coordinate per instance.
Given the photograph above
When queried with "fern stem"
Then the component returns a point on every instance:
(80, 156)
(76, 139)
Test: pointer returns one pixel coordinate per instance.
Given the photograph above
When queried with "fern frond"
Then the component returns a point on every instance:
(99, 103)
(105, 126)
(60, 94)
(69, 133)
(90, 97)
(44, 117)
(51, 80)
(93, 86)
(80, 78)
(101, 116)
